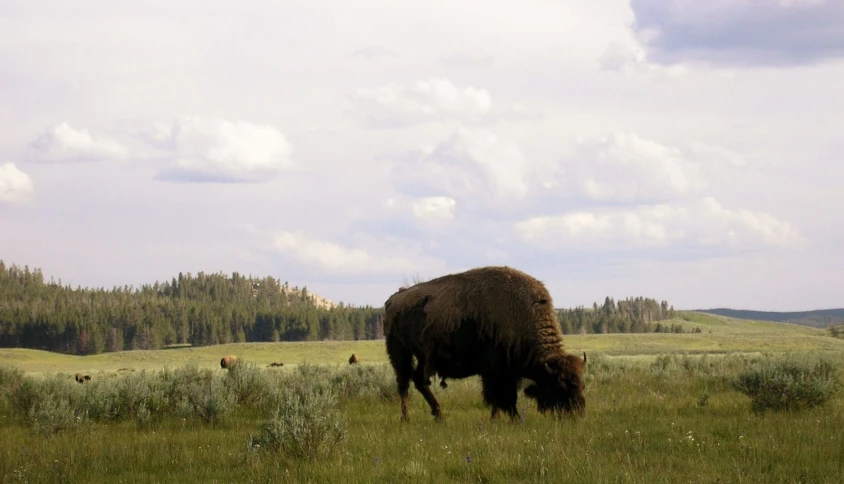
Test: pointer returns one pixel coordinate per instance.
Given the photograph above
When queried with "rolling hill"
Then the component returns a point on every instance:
(820, 318)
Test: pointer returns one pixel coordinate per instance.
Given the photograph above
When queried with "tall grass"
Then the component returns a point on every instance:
(670, 418)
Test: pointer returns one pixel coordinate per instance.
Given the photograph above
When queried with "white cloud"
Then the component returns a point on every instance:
(332, 258)
(433, 99)
(64, 144)
(623, 167)
(629, 57)
(701, 224)
(741, 32)
(436, 208)
(474, 165)
(15, 185)
(212, 149)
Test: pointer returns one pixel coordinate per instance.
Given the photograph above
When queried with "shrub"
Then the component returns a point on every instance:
(247, 382)
(55, 415)
(788, 383)
(356, 381)
(305, 426)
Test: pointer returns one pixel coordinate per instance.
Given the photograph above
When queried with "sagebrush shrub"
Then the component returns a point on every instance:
(356, 381)
(788, 383)
(306, 425)
(247, 382)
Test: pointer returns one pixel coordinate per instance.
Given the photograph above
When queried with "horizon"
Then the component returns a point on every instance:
(609, 148)
(293, 285)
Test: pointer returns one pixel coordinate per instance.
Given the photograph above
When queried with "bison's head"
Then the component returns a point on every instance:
(559, 386)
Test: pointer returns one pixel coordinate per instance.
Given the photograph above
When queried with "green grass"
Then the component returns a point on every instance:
(651, 418)
(719, 335)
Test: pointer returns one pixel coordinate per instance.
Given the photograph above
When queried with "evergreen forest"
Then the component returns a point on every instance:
(208, 309)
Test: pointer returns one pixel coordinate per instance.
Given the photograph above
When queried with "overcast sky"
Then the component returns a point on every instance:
(682, 150)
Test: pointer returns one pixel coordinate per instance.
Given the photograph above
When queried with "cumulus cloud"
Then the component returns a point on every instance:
(434, 208)
(15, 185)
(473, 165)
(433, 99)
(700, 224)
(628, 56)
(623, 167)
(211, 149)
(332, 258)
(63, 143)
(741, 32)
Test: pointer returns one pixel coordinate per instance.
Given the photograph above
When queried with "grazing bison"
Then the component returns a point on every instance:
(228, 361)
(354, 360)
(496, 322)
(80, 378)
(272, 365)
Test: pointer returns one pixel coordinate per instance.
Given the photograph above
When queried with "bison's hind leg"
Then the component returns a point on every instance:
(402, 361)
(422, 382)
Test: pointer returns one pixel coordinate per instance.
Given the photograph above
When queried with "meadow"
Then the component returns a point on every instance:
(660, 408)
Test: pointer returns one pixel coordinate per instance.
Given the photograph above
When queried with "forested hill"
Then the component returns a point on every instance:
(820, 318)
(201, 309)
(208, 309)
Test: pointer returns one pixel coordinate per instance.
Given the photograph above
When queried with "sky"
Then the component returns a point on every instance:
(680, 150)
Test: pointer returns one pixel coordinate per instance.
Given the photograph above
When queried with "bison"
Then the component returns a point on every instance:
(228, 361)
(273, 365)
(80, 378)
(354, 360)
(496, 322)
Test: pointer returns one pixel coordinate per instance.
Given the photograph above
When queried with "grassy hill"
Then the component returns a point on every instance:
(820, 318)
(717, 335)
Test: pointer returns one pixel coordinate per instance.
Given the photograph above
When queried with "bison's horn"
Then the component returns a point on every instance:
(548, 368)
(584, 357)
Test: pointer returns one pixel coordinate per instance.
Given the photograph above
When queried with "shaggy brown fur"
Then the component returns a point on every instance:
(82, 378)
(228, 361)
(496, 322)
(354, 360)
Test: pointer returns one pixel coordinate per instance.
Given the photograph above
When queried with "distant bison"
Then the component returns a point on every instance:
(80, 378)
(228, 361)
(496, 322)
(273, 365)
(354, 360)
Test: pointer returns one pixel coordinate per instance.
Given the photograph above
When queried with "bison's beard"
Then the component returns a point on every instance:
(558, 400)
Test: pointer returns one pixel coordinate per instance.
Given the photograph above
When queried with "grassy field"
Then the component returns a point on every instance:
(718, 335)
(656, 412)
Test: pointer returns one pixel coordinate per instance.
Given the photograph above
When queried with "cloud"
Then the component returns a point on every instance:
(463, 59)
(629, 56)
(434, 99)
(373, 52)
(64, 144)
(15, 185)
(741, 32)
(700, 224)
(622, 167)
(335, 259)
(211, 149)
(434, 208)
(473, 165)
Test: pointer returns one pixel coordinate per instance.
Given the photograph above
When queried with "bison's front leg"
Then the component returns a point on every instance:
(501, 392)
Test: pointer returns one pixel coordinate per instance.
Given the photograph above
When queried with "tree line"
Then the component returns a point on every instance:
(208, 309)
